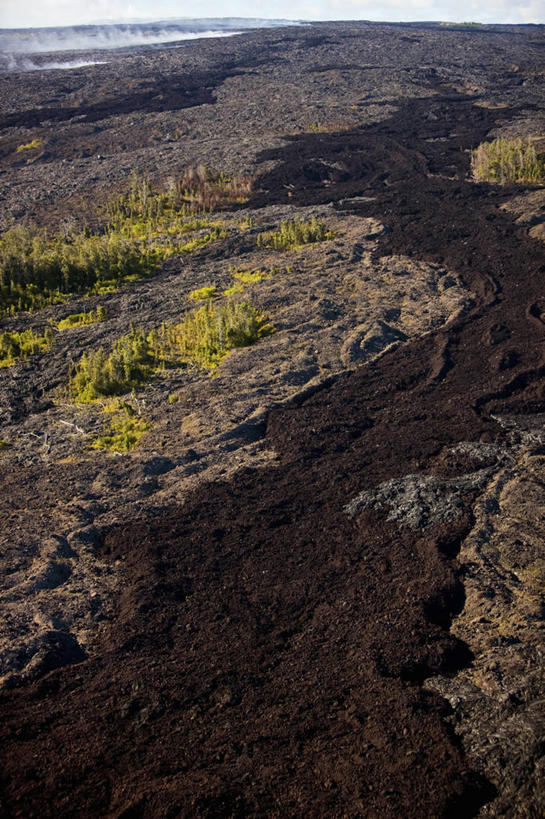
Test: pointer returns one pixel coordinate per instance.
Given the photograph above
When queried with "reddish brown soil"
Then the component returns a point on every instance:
(268, 653)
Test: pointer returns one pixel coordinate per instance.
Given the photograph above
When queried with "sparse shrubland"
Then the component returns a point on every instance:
(207, 335)
(144, 228)
(198, 191)
(200, 241)
(14, 346)
(507, 160)
(82, 319)
(204, 337)
(37, 269)
(295, 233)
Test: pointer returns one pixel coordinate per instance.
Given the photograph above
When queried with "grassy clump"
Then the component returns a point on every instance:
(144, 228)
(14, 346)
(507, 160)
(82, 319)
(295, 233)
(203, 293)
(29, 146)
(204, 337)
(125, 430)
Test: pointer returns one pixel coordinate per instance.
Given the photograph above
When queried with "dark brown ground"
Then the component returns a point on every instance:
(268, 651)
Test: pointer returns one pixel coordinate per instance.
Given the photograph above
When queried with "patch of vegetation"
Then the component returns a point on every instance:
(28, 297)
(4, 444)
(204, 337)
(128, 364)
(14, 346)
(144, 210)
(144, 228)
(294, 233)
(200, 241)
(203, 293)
(332, 127)
(82, 319)
(29, 146)
(252, 276)
(234, 290)
(38, 269)
(507, 160)
(467, 24)
(125, 430)
(207, 335)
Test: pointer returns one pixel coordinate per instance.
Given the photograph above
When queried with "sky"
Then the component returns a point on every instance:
(26, 13)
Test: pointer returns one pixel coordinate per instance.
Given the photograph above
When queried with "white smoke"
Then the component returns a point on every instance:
(92, 38)
(16, 62)
(16, 45)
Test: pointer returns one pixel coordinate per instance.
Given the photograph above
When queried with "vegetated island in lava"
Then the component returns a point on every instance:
(272, 403)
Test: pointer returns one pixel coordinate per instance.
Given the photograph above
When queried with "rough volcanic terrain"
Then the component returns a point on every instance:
(316, 586)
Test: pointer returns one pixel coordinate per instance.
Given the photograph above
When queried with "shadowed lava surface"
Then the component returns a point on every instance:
(273, 635)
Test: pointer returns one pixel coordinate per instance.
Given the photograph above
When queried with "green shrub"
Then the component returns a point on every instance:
(29, 146)
(82, 319)
(252, 276)
(204, 337)
(507, 160)
(295, 233)
(14, 346)
(203, 293)
(125, 430)
(101, 373)
(234, 290)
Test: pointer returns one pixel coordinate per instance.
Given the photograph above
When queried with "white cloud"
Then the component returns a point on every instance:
(20, 13)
